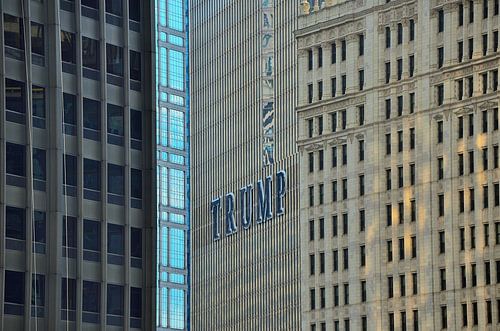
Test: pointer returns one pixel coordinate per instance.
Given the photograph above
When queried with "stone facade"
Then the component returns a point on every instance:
(399, 165)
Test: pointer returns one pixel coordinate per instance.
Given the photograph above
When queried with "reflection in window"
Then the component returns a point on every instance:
(176, 309)
(39, 226)
(92, 174)
(135, 65)
(69, 170)
(162, 10)
(91, 114)
(164, 247)
(176, 70)
(163, 132)
(15, 161)
(115, 300)
(179, 41)
(163, 307)
(135, 302)
(90, 53)
(135, 124)
(136, 183)
(91, 3)
(91, 297)
(163, 66)
(176, 180)
(115, 119)
(13, 31)
(15, 96)
(14, 287)
(114, 60)
(115, 239)
(38, 290)
(176, 218)
(176, 129)
(15, 223)
(37, 39)
(114, 7)
(69, 231)
(38, 101)
(68, 47)
(92, 235)
(69, 115)
(115, 179)
(39, 164)
(68, 293)
(175, 15)
(176, 248)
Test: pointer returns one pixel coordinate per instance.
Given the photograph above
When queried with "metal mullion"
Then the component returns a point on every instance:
(2, 168)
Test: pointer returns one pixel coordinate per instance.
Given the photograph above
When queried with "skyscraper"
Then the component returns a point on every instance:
(76, 217)
(244, 188)
(399, 165)
(172, 121)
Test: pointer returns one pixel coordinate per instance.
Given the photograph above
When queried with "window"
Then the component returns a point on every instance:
(114, 7)
(411, 64)
(334, 157)
(312, 267)
(471, 11)
(69, 233)
(361, 115)
(460, 89)
(114, 59)
(461, 203)
(15, 161)
(335, 260)
(387, 108)
(362, 254)
(15, 223)
(460, 14)
(402, 285)
(484, 121)
(471, 162)
(442, 277)
(334, 191)
(440, 94)
(311, 230)
(115, 179)
(487, 273)
(440, 52)
(485, 158)
(39, 164)
(485, 44)
(444, 318)
(400, 105)
(388, 143)
(496, 189)
(322, 263)
(415, 282)
(115, 300)
(13, 31)
(387, 72)
(464, 314)
(346, 258)
(37, 38)
(92, 174)
(136, 242)
(361, 45)
(472, 237)
(310, 59)
(471, 47)
(321, 228)
(136, 183)
(361, 79)
(310, 93)
(320, 90)
(344, 154)
(334, 87)
(39, 218)
(68, 293)
(412, 30)
(441, 204)
(38, 290)
(320, 57)
(346, 294)
(440, 168)
(401, 248)
(388, 180)
(69, 170)
(92, 235)
(115, 239)
(344, 84)
(91, 53)
(485, 197)
(388, 211)
(344, 50)
(345, 224)
(91, 297)
(387, 37)
(412, 103)
(470, 85)
(390, 287)
(115, 119)
(389, 251)
(134, 10)
(69, 114)
(400, 177)
(343, 114)
(334, 53)
(440, 20)
(14, 287)
(68, 47)
(91, 114)
(321, 193)
(15, 96)
(460, 50)
(400, 33)
(361, 185)
(399, 63)
(312, 298)
(413, 247)
(344, 188)
(413, 210)
(400, 141)
(412, 138)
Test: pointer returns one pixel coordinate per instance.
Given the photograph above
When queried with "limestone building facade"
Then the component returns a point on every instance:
(399, 164)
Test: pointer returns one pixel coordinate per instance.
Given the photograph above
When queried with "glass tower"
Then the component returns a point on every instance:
(172, 123)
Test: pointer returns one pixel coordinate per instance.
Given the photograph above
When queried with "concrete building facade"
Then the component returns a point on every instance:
(77, 221)
(245, 272)
(399, 164)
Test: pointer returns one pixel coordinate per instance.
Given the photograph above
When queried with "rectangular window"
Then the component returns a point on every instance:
(334, 53)
(387, 37)
(440, 165)
(136, 183)
(361, 79)
(322, 298)
(411, 64)
(362, 254)
(114, 60)
(442, 277)
(312, 267)
(399, 63)
(390, 287)
(14, 287)
(311, 230)
(320, 57)
(320, 90)
(39, 164)
(444, 317)
(68, 47)
(91, 114)
(115, 179)
(471, 162)
(400, 105)
(400, 177)
(387, 109)
(334, 87)
(344, 50)
(460, 14)
(310, 58)
(388, 179)
(13, 31)
(92, 235)
(321, 193)
(69, 170)
(361, 115)
(440, 94)
(441, 204)
(472, 237)
(345, 224)
(363, 295)
(335, 260)
(91, 297)
(344, 84)
(37, 39)
(402, 285)
(68, 293)
(91, 53)
(388, 211)
(400, 33)
(115, 239)
(414, 282)
(389, 251)
(114, 300)
(412, 30)
(471, 47)
(460, 50)
(69, 232)
(344, 154)
(387, 143)
(15, 223)
(309, 93)
(400, 141)
(15, 96)
(135, 65)
(361, 185)
(346, 258)
(361, 44)
(440, 52)
(335, 225)
(334, 157)
(440, 20)
(387, 72)
(401, 248)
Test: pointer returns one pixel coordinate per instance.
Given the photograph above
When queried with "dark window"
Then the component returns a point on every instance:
(311, 161)
(69, 232)
(345, 224)
(442, 242)
(39, 164)
(361, 115)
(387, 37)
(388, 143)
(362, 254)
(389, 251)
(344, 50)
(135, 65)
(13, 31)
(311, 230)
(91, 53)
(91, 3)
(388, 108)
(401, 248)
(115, 239)
(344, 84)
(460, 50)
(390, 287)
(136, 302)
(15, 96)
(464, 314)
(346, 258)
(412, 65)
(91, 114)
(91, 297)
(400, 33)
(134, 10)
(311, 196)
(441, 204)
(334, 191)
(361, 150)
(412, 30)
(69, 104)
(472, 237)
(388, 211)
(485, 8)
(402, 285)
(388, 179)
(412, 138)
(14, 287)
(15, 223)
(115, 300)
(487, 273)
(38, 290)
(460, 89)
(344, 154)
(312, 295)
(387, 72)
(321, 228)
(485, 158)
(440, 57)
(114, 7)
(92, 235)
(495, 41)
(471, 125)
(413, 247)
(336, 262)
(334, 53)
(400, 105)
(400, 68)
(310, 58)
(400, 177)
(361, 79)
(361, 44)
(334, 157)
(471, 11)
(412, 174)
(136, 183)
(440, 168)
(114, 59)
(440, 94)
(322, 263)
(471, 199)
(38, 101)
(310, 127)
(334, 87)
(69, 170)
(115, 119)
(460, 14)
(320, 160)
(68, 293)
(321, 193)
(39, 226)
(471, 47)
(136, 242)
(474, 313)
(400, 141)
(68, 47)
(444, 318)
(37, 39)
(92, 174)
(346, 294)
(484, 121)
(485, 44)
(320, 57)
(115, 179)
(320, 90)
(441, 20)
(15, 161)
(310, 93)
(344, 119)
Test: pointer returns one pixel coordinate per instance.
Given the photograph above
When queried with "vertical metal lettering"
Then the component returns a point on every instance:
(230, 225)
(264, 206)
(246, 203)
(215, 209)
(280, 192)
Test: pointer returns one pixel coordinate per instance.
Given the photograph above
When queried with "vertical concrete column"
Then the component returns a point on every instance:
(394, 42)
(351, 60)
(477, 27)
(405, 48)
(450, 32)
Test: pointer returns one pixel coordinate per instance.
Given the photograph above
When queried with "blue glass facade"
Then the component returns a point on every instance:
(172, 124)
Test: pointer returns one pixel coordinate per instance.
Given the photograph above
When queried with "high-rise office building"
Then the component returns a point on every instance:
(77, 152)
(172, 145)
(399, 165)
(244, 166)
